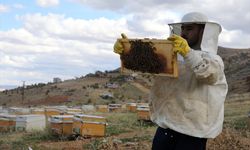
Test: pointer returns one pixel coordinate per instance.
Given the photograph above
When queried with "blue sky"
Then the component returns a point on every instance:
(43, 39)
(69, 9)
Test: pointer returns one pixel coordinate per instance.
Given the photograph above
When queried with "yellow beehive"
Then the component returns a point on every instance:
(7, 123)
(163, 50)
(91, 118)
(102, 108)
(51, 111)
(115, 107)
(93, 129)
(37, 111)
(61, 124)
(131, 107)
(89, 125)
(76, 110)
(143, 113)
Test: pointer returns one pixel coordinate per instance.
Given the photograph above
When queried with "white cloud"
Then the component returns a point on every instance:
(53, 45)
(234, 39)
(47, 3)
(3, 8)
(232, 14)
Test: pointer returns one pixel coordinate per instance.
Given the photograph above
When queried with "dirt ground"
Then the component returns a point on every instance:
(227, 140)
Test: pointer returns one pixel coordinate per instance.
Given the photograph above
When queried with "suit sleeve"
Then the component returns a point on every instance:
(208, 68)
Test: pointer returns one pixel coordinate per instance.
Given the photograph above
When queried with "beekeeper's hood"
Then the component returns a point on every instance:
(211, 31)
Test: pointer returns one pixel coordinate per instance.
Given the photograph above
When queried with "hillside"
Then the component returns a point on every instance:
(237, 69)
(95, 88)
(112, 87)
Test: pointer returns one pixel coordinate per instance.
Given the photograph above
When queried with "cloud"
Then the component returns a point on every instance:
(228, 15)
(47, 3)
(3, 8)
(52, 45)
(126, 6)
(233, 39)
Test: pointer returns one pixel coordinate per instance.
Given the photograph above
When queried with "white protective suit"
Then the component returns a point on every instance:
(193, 103)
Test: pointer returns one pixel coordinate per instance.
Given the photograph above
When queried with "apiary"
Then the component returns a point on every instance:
(154, 56)
(89, 125)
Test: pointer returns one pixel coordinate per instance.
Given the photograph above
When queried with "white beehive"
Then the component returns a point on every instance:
(30, 122)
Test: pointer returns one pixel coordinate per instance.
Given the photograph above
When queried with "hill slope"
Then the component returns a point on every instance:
(237, 69)
(94, 88)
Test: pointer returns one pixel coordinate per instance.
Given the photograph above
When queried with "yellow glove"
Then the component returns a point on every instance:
(118, 47)
(180, 45)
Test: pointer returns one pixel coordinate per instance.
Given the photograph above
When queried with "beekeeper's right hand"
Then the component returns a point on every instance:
(118, 47)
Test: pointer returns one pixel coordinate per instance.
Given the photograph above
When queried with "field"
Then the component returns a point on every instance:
(125, 132)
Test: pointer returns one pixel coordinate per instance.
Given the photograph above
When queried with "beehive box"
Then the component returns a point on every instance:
(91, 118)
(102, 108)
(7, 123)
(89, 125)
(115, 107)
(93, 129)
(61, 124)
(30, 122)
(131, 107)
(163, 50)
(76, 110)
(38, 111)
(51, 111)
(88, 108)
(143, 113)
(19, 111)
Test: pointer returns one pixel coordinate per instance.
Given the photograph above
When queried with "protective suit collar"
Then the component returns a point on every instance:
(211, 31)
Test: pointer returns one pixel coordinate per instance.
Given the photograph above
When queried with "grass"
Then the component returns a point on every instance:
(137, 139)
(123, 124)
(21, 141)
(236, 114)
(120, 123)
(236, 117)
(94, 145)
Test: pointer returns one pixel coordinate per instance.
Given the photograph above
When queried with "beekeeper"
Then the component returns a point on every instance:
(189, 109)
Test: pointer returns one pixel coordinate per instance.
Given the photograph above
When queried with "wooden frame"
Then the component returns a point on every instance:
(163, 47)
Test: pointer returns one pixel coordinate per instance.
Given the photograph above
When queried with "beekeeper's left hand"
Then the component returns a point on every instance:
(180, 45)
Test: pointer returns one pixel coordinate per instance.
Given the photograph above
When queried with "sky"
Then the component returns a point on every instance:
(43, 39)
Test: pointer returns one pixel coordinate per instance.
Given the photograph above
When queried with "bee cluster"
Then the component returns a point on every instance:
(142, 57)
